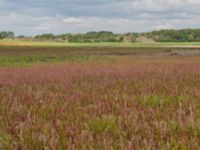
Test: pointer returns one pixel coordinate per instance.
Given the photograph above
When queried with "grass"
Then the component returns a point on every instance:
(100, 126)
(7, 42)
(31, 60)
(99, 102)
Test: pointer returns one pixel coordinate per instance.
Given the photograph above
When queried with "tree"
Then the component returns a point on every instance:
(7, 34)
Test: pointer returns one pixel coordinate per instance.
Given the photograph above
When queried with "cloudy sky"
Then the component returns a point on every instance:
(32, 17)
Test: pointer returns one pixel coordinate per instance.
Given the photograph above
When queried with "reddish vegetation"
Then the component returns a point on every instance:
(149, 103)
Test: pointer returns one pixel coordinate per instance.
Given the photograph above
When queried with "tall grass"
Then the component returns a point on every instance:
(133, 103)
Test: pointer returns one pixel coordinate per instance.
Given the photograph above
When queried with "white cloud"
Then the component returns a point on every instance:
(60, 16)
(73, 20)
(194, 2)
(91, 21)
(166, 26)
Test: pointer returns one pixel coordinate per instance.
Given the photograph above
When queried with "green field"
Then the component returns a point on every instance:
(26, 55)
(100, 44)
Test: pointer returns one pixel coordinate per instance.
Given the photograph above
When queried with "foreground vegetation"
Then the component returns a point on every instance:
(112, 102)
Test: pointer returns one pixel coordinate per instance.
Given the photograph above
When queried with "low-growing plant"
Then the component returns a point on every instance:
(99, 126)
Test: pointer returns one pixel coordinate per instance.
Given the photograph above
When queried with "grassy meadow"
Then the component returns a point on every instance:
(9, 42)
(99, 97)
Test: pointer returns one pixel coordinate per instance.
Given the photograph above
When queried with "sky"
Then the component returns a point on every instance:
(31, 17)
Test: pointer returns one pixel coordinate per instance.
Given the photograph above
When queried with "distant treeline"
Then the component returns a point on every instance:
(183, 35)
(7, 34)
(102, 36)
